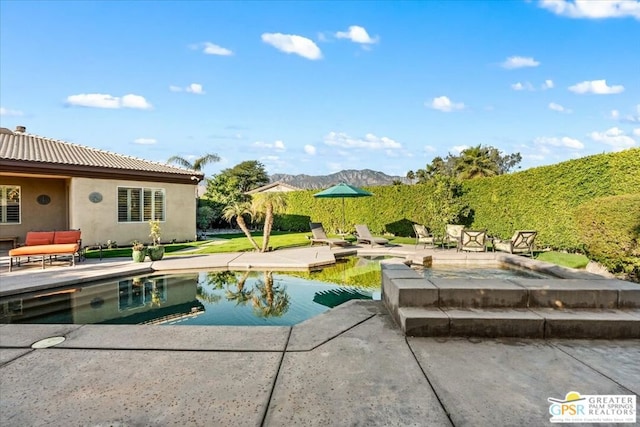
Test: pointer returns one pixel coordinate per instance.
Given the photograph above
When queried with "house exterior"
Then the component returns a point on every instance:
(274, 187)
(47, 184)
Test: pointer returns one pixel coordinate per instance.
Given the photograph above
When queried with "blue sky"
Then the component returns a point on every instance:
(317, 87)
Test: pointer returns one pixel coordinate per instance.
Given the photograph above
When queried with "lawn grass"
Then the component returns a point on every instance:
(126, 252)
(238, 242)
(563, 259)
(222, 243)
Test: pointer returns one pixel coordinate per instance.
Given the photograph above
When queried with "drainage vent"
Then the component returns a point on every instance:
(48, 342)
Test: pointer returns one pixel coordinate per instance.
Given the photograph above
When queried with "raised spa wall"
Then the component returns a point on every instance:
(575, 304)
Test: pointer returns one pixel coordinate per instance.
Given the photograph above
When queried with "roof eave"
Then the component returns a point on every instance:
(24, 167)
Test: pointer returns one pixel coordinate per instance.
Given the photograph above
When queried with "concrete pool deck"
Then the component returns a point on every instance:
(349, 366)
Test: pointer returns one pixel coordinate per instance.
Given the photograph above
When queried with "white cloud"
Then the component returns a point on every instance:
(614, 137)
(290, 43)
(277, 145)
(135, 101)
(557, 107)
(565, 141)
(443, 103)
(591, 9)
(369, 142)
(522, 86)
(514, 62)
(310, 150)
(636, 132)
(429, 149)
(629, 118)
(10, 113)
(213, 49)
(598, 87)
(357, 34)
(145, 141)
(459, 148)
(548, 84)
(195, 88)
(333, 166)
(99, 100)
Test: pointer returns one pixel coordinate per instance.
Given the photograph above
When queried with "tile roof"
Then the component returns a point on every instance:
(278, 185)
(36, 150)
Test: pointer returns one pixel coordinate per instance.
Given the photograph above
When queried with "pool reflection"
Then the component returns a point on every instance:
(198, 298)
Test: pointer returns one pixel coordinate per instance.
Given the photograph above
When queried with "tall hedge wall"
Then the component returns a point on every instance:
(609, 228)
(543, 198)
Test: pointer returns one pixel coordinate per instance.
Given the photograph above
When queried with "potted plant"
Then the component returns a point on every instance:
(156, 250)
(138, 251)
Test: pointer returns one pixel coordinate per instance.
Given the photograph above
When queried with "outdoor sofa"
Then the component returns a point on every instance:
(47, 244)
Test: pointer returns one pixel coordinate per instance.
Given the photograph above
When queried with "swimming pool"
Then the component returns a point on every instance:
(223, 297)
(249, 298)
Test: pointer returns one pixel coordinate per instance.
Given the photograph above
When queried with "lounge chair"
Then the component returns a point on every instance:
(473, 240)
(364, 236)
(521, 242)
(452, 234)
(319, 236)
(423, 236)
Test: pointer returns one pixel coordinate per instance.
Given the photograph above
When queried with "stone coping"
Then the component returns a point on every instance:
(33, 278)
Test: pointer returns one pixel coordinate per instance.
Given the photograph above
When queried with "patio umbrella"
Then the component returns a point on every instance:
(342, 191)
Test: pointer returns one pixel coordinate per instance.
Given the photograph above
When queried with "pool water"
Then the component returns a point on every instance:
(204, 298)
(457, 271)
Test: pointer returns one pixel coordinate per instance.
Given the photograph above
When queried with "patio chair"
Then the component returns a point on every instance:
(363, 235)
(423, 236)
(319, 236)
(452, 235)
(521, 242)
(473, 240)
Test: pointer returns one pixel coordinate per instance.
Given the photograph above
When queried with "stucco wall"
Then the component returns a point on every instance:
(35, 216)
(99, 221)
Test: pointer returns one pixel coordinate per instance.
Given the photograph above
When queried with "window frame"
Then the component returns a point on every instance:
(145, 213)
(4, 203)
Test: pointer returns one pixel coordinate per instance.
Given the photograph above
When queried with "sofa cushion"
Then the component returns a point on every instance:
(39, 238)
(71, 236)
(60, 249)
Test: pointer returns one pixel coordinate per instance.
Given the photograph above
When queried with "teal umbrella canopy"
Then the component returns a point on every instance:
(342, 191)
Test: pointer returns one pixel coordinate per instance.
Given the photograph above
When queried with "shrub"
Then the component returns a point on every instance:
(290, 222)
(610, 230)
(205, 217)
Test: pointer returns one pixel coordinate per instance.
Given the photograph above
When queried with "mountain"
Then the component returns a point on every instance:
(359, 178)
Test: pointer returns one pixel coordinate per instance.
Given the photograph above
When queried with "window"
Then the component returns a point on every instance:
(9, 204)
(140, 204)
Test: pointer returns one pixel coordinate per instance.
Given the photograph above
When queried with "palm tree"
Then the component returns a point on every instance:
(411, 175)
(264, 205)
(197, 164)
(475, 162)
(237, 210)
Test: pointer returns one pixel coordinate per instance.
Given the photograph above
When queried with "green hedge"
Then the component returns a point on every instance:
(610, 230)
(543, 198)
(546, 198)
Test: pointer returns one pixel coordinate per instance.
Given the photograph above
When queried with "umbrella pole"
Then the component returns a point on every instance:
(343, 222)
